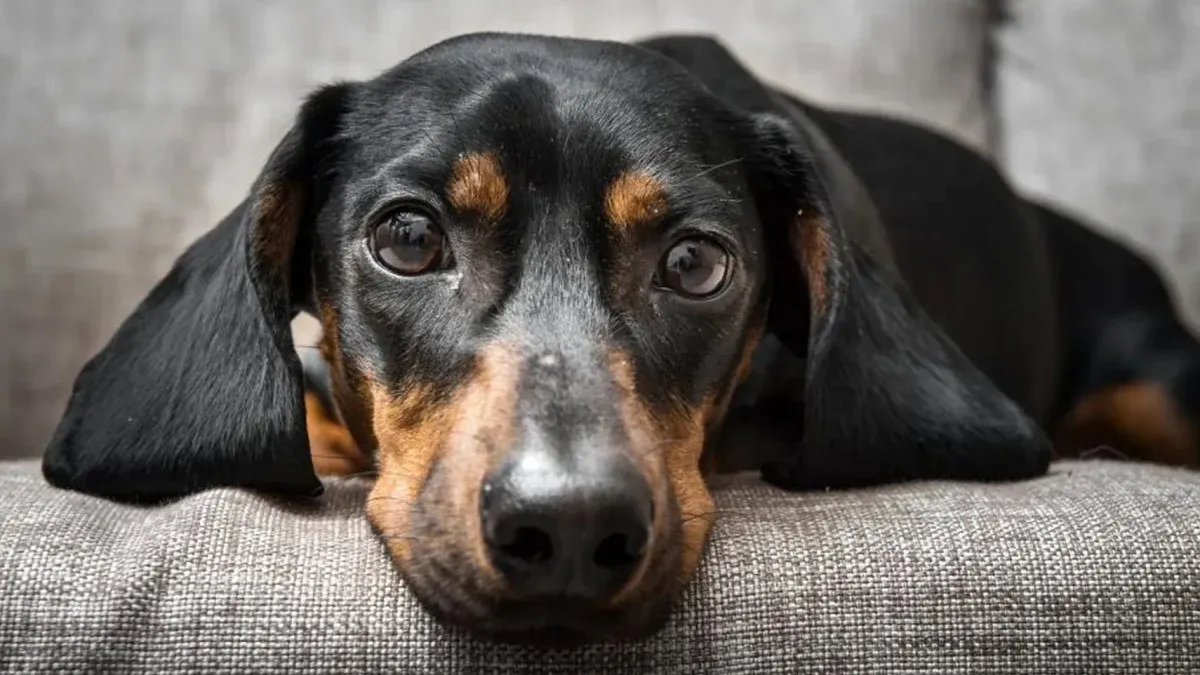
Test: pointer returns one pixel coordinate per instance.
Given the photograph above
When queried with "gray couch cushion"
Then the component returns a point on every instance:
(1100, 110)
(129, 127)
(1093, 569)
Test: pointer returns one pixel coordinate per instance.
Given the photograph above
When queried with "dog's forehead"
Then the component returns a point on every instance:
(550, 107)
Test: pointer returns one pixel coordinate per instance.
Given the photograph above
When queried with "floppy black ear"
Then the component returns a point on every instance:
(886, 395)
(201, 386)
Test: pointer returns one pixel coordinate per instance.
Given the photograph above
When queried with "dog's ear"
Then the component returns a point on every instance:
(886, 395)
(201, 386)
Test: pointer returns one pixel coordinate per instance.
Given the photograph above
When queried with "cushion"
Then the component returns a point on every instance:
(1093, 568)
(1099, 111)
(130, 127)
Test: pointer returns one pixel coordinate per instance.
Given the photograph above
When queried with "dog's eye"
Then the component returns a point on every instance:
(696, 267)
(409, 242)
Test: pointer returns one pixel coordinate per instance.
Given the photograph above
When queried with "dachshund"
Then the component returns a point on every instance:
(563, 282)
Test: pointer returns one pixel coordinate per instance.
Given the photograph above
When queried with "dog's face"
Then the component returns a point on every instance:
(542, 267)
(538, 283)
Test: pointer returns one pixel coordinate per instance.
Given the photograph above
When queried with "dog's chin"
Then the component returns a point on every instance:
(578, 630)
(556, 623)
(547, 622)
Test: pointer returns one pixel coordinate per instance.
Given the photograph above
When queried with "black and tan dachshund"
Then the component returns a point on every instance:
(561, 282)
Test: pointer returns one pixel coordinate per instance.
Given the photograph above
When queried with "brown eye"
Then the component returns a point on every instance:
(696, 267)
(409, 243)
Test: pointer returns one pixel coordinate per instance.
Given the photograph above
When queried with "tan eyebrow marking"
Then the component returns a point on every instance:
(477, 185)
(633, 199)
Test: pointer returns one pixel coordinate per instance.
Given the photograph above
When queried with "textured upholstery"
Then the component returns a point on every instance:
(1093, 569)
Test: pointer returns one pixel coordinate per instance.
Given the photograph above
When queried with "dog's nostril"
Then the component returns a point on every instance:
(528, 545)
(618, 550)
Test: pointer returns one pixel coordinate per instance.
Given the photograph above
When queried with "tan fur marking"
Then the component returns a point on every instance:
(477, 186)
(334, 452)
(812, 239)
(484, 432)
(696, 504)
(409, 426)
(277, 211)
(634, 199)
(1138, 419)
(329, 344)
(678, 439)
(351, 394)
(465, 432)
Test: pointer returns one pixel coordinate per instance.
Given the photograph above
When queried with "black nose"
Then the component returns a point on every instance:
(578, 533)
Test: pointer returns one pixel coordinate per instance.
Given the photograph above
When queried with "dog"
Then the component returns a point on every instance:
(562, 282)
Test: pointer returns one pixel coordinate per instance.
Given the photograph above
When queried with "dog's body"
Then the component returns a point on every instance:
(560, 281)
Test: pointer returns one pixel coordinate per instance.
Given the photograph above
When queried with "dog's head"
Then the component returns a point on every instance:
(542, 267)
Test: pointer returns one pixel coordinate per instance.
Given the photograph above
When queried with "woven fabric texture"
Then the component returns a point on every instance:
(1092, 569)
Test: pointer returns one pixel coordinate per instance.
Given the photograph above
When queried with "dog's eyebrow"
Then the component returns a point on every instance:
(477, 185)
(634, 199)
